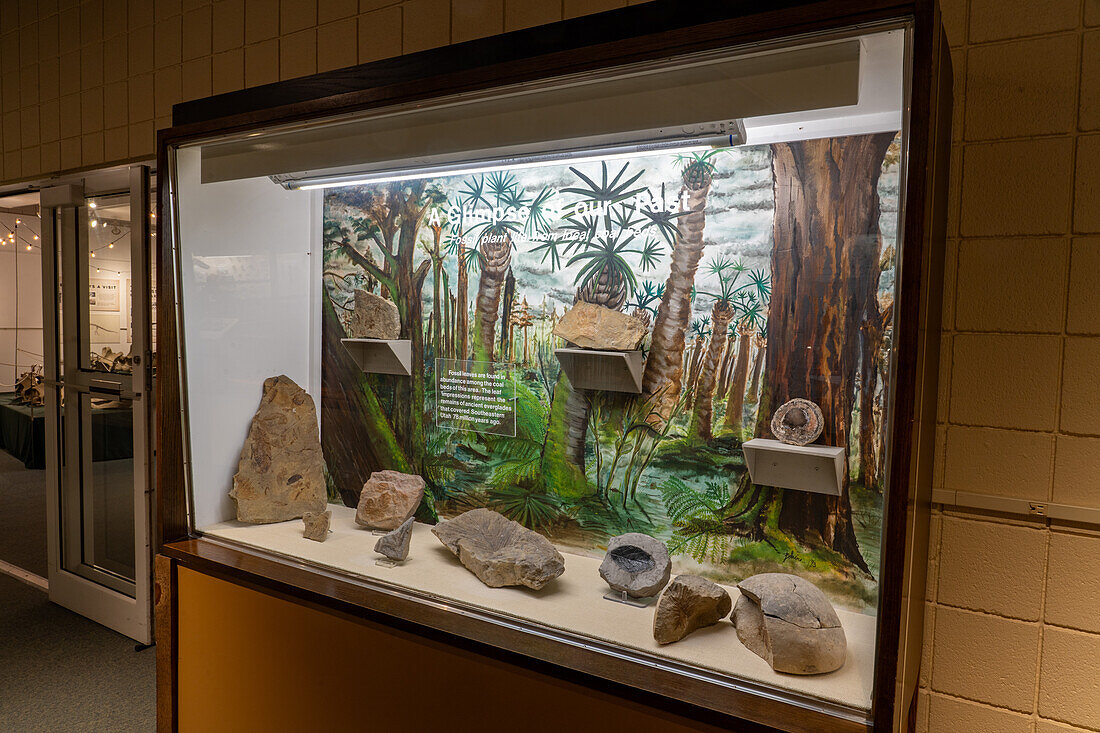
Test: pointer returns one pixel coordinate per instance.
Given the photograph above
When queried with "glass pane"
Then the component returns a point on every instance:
(108, 486)
(590, 345)
(107, 328)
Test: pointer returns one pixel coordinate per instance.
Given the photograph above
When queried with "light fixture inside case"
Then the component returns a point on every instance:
(566, 152)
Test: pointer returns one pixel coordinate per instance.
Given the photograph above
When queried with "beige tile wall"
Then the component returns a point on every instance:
(1013, 624)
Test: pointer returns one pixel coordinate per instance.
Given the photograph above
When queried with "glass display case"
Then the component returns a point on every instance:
(609, 358)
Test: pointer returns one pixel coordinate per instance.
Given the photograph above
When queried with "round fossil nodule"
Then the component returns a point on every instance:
(637, 564)
(798, 422)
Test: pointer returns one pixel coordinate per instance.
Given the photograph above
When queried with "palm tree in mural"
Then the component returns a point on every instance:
(664, 366)
(469, 260)
(601, 232)
(722, 312)
(750, 317)
(435, 199)
(760, 343)
(504, 202)
(642, 306)
(700, 331)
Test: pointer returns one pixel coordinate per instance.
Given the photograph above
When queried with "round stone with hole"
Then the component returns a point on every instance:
(798, 422)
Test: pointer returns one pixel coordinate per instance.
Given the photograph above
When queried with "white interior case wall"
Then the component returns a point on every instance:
(246, 272)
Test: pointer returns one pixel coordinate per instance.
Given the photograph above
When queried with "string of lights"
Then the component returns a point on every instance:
(14, 238)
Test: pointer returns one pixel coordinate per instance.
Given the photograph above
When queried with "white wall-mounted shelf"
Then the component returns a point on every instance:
(815, 468)
(381, 356)
(607, 371)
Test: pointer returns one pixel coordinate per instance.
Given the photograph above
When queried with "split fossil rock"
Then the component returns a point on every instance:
(395, 544)
(688, 603)
(787, 621)
(591, 326)
(388, 498)
(279, 475)
(499, 551)
(637, 564)
(317, 524)
(374, 317)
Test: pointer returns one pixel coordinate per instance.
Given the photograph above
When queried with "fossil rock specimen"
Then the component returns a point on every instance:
(279, 474)
(374, 317)
(798, 422)
(499, 551)
(688, 603)
(636, 563)
(395, 545)
(592, 326)
(317, 525)
(788, 622)
(388, 498)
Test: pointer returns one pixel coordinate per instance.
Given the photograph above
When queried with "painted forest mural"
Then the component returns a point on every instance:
(762, 273)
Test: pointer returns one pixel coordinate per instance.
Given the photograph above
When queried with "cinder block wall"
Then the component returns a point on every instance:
(1012, 640)
(1013, 633)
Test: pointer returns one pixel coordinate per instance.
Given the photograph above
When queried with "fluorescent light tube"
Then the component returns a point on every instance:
(583, 155)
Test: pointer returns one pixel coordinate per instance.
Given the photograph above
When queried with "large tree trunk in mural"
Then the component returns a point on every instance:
(735, 400)
(826, 247)
(665, 363)
(702, 414)
(496, 260)
(356, 436)
(873, 327)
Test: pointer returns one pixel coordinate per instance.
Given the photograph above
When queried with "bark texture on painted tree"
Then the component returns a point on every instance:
(664, 371)
(496, 260)
(824, 265)
(702, 415)
(735, 399)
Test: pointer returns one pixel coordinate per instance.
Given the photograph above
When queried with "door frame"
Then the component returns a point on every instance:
(113, 602)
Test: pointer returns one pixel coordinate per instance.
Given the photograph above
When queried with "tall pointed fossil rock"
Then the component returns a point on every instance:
(279, 476)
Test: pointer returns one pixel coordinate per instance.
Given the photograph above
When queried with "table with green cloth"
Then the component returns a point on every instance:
(23, 432)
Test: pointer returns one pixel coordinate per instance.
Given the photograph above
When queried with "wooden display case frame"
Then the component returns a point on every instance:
(650, 31)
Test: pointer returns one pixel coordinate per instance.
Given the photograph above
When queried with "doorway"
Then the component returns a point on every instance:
(23, 551)
(98, 377)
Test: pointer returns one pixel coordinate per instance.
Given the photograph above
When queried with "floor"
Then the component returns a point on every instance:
(22, 516)
(58, 670)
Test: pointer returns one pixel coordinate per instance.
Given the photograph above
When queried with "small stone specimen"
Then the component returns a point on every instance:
(798, 422)
(374, 317)
(499, 551)
(688, 603)
(636, 563)
(388, 498)
(788, 622)
(395, 545)
(279, 475)
(591, 326)
(317, 525)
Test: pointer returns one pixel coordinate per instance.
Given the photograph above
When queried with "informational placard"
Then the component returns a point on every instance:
(478, 396)
(103, 295)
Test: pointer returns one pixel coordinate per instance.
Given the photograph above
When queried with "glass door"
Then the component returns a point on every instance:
(96, 241)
